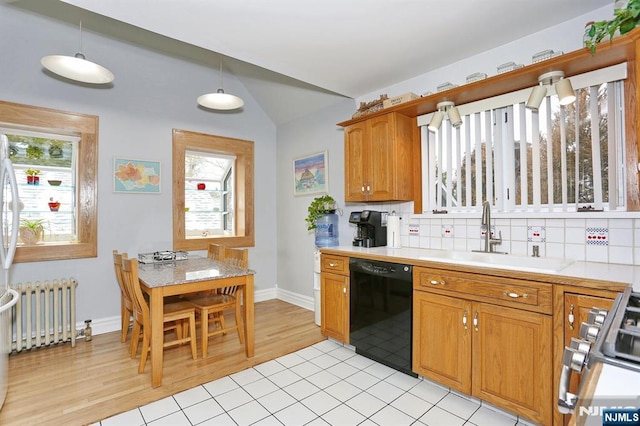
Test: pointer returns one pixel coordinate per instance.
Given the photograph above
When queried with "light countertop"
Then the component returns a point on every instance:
(571, 270)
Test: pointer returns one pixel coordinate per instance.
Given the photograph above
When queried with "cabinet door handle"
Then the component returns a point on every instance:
(475, 321)
(344, 290)
(464, 320)
(514, 295)
(571, 318)
(436, 282)
(362, 190)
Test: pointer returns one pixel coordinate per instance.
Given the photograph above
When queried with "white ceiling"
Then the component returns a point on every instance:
(293, 55)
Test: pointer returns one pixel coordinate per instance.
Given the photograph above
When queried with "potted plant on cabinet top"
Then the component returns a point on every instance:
(624, 20)
(32, 176)
(31, 231)
(323, 219)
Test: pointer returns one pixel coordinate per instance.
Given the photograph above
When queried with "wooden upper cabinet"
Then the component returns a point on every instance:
(378, 159)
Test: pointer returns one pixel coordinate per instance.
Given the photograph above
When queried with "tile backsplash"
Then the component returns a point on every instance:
(612, 240)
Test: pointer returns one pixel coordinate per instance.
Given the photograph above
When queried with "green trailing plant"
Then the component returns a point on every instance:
(319, 207)
(624, 20)
(35, 228)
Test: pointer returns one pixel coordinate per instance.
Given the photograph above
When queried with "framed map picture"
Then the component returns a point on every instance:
(310, 174)
(136, 176)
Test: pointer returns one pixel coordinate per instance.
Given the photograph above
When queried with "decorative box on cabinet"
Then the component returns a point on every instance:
(379, 163)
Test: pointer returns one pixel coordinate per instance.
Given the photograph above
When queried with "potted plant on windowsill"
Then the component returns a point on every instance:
(322, 218)
(32, 176)
(31, 231)
(624, 20)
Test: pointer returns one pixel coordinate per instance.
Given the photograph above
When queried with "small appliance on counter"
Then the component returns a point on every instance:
(371, 228)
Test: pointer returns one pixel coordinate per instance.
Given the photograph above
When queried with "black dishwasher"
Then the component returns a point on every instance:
(380, 312)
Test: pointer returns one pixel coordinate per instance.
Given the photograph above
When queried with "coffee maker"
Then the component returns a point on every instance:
(371, 228)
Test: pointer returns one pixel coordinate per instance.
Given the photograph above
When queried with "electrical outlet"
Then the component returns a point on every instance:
(597, 236)
(483, 232)
(447, 231)
(536, 234)
(414, 229)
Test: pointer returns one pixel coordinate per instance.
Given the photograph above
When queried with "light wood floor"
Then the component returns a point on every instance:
(61, 385)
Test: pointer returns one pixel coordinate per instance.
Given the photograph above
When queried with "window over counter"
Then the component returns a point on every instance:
(554, 159)
(212, 191)
(55, 158)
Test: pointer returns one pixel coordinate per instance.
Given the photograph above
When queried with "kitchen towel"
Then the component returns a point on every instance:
(393, 231)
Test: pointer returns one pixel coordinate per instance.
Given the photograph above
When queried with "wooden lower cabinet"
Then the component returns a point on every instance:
(441, 342)
(512, 360)
(492, 352)
(334, 291)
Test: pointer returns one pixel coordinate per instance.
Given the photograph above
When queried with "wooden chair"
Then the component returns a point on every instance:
(211, 307)
(215, 252)
(175, 316)
(126, 305)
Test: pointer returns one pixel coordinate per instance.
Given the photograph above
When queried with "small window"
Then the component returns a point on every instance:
(37, 135)
(212, 191)
(46, 168)
(208, 194)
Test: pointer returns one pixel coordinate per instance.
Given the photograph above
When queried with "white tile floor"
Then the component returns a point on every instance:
(324, 384)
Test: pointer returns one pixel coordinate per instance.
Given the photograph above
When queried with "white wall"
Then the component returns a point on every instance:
(152, 94)
(315, 133)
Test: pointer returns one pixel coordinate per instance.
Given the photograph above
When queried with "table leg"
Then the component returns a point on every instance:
(249, 330)
(157, 336)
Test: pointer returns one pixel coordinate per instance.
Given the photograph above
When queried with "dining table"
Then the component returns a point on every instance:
(191, 275)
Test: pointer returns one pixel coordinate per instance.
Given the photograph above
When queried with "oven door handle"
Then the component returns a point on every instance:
(573, 359)
(566, 400)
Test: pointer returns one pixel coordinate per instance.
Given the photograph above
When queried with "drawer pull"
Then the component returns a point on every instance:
(333, 265)
(436, 282)
(514, 295)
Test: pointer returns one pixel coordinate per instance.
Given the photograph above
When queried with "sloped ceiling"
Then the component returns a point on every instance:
(295, 56)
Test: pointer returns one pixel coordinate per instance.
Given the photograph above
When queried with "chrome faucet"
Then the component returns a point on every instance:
(489, 242)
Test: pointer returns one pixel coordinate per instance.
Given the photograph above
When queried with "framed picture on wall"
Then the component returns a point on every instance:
(139, 176)
(311, 174)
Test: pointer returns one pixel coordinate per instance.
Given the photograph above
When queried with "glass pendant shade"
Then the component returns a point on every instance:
(220, 100)
(77, 68)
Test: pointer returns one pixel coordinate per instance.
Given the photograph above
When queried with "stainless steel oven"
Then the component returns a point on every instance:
(380, 312)
(611, 337)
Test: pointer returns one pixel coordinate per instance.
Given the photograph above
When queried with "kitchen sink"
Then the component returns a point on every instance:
(501, 261)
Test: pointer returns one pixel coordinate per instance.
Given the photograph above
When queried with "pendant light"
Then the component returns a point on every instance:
(220, 100)
(77, 67)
